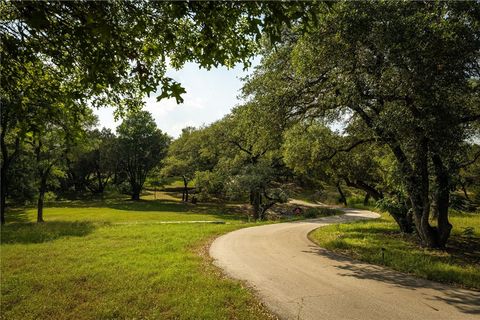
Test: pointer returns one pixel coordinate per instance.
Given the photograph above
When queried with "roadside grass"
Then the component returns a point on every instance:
(364, 240)
(81, 264)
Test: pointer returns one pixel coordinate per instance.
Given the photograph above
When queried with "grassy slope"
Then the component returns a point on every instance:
(81, 265)
(363, 240)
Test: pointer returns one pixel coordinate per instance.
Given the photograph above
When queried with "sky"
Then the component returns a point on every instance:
(210, 95)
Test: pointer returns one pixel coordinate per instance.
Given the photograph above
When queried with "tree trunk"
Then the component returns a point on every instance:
(264, 208)
(432, 237)
(361, 185)
(41, 197)
(136, 190)
(6, 160)
(342, 199)
(419, 195)
(5, 163)
(136, 195)
(185, 189)
(442, 199)
(3, 192)
(464, 189)
(403, 220)
(366, 199)
(256, 200)
(101, 184)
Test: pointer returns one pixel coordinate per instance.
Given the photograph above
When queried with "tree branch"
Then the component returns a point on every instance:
(348, 149)
(471, 118)
(472, 161)
(239, 146)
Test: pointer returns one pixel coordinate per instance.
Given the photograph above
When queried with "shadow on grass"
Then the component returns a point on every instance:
(44, 232)
(216, 210)
(16, 215)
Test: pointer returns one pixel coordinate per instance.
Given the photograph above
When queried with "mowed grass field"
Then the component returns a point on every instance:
(114, 259)
(364, 240)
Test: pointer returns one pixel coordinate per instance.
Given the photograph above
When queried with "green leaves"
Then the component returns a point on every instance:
(171, 89)
(141, 147)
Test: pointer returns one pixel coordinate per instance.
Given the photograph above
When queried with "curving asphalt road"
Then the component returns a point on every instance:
(298, 280)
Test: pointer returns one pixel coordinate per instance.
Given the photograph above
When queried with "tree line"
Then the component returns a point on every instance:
(56, 164)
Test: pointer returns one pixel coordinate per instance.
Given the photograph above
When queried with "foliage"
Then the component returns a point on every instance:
(310, 213)
(361, 65)
(209, 184)
(99, 165)
(188, 154)
(248, 161)
(141, 147)
(316, 149)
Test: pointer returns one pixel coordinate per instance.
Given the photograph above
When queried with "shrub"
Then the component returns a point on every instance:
(320, 212)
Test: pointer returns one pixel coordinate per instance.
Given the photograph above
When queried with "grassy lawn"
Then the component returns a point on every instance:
(83, 264)
(364, 240)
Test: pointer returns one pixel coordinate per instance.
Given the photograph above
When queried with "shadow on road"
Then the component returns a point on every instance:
(466, 301)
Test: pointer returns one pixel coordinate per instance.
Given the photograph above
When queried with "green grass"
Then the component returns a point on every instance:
(124, 210)
(81, 264)
(363, 240)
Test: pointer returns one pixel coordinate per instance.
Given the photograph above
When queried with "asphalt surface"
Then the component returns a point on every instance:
(296, 279)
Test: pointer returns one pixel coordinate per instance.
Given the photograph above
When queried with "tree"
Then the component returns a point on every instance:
(141, 147)
(100, 163)
(364, 62)
(249, 159)
(314, 149)
(187, 155)
(469, 175)
(36, 98)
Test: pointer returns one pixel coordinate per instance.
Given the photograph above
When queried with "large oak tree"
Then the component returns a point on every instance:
(408, 71)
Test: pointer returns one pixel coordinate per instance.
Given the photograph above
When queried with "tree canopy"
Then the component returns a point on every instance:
(407, 72)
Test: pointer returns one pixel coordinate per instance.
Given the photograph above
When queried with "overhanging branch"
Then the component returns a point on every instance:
(471, 161)
(348, 149)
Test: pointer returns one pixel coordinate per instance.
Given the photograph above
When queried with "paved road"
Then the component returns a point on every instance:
(298, 280)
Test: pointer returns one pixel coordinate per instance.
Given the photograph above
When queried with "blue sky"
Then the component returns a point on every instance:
(210, 95)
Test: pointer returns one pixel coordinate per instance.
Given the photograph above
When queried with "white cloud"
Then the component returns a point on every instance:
(210, 95)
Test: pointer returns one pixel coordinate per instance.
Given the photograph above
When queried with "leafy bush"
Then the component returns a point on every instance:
(320, 212)
(208, 184)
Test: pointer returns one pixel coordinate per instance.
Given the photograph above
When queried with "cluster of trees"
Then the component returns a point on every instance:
(61, 58)
(88, 162)
(237, 155)
(399, 81)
